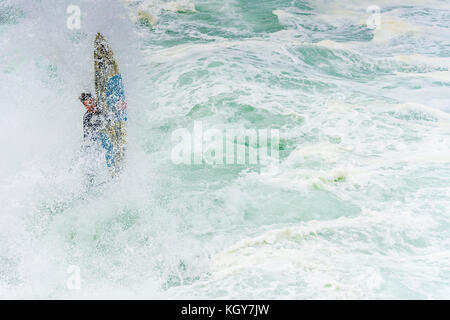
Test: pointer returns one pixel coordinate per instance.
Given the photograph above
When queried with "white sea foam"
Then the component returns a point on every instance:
(356, 208)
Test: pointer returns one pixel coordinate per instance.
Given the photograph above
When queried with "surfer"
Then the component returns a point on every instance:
(95, 140)
(105, 119)
(93, 122)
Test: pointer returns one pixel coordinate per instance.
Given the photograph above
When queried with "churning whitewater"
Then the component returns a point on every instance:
(356, 205)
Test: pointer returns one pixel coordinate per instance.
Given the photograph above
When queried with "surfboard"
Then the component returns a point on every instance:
(112, 102)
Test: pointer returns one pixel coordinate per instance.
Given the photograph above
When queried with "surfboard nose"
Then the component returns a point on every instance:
(100, 40)
(99, 37)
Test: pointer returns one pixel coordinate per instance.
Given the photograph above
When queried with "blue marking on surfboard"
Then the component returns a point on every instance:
(115, 97)
(108, 146)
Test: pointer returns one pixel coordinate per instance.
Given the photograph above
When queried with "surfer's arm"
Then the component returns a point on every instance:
(86, 124)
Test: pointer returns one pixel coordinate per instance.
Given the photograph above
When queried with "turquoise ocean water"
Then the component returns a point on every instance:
(358, 206)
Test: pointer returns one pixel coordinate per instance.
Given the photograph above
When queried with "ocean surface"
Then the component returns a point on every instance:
(358, 206)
